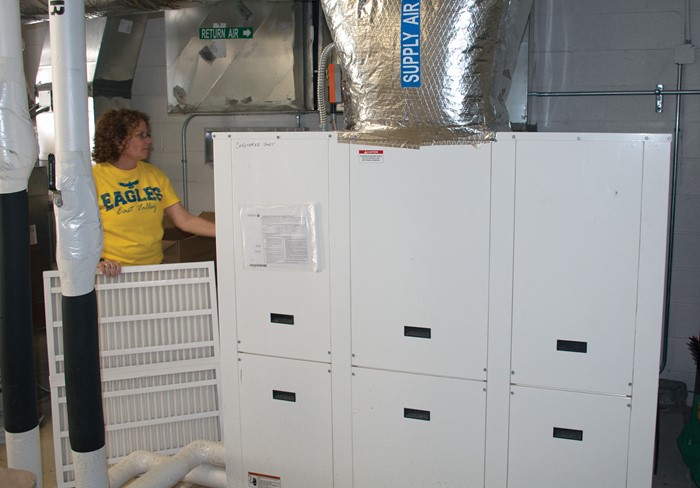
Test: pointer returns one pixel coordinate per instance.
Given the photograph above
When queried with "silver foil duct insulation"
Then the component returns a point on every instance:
(420, 72)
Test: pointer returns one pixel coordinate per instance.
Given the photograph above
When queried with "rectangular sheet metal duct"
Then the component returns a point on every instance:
(250, 56)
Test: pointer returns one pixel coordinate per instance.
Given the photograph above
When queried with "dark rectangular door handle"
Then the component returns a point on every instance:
(422, 332)
(570, 434)
(572, 346)
(280, 318)
(412, 413)
(285, 396)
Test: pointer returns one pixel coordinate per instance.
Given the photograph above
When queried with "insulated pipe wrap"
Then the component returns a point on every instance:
(82, 368)
(16, 341)
(18, 145)
(79, 229)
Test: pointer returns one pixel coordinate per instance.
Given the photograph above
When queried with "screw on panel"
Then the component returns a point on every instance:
(512, 372)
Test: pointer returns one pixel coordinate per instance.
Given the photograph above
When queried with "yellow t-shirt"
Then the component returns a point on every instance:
(131, 208)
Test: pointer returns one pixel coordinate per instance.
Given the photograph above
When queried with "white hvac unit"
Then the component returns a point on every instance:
(453, 316)
(159, 354)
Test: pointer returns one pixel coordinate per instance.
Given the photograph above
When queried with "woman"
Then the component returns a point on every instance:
(133, 195)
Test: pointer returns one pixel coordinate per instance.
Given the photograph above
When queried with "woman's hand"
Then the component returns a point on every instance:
(110, 268)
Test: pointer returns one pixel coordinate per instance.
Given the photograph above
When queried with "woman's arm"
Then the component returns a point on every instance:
(184, 220)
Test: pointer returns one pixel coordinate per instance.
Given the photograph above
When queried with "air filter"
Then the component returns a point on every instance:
(159, 352)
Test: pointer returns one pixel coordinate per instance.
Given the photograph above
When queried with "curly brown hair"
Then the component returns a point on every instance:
(112, 130)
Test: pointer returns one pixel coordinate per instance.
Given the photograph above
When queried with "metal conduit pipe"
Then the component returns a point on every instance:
(321, 84)
(183, 142)
(140, 462)
(18, 155)
(168, 473)
(79, 243)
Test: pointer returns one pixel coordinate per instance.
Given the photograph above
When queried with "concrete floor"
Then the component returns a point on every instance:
(671, 471)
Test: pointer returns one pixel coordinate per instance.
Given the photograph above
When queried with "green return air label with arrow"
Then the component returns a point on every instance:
(226, 33)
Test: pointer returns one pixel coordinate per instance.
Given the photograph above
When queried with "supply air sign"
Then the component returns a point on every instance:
(410, 43)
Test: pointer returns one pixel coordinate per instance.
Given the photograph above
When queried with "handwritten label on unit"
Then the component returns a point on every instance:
(371, 155)
(257, 480)
(410, 43)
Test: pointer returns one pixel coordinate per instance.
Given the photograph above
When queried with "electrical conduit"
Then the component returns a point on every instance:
(18, 154)
(79, 243)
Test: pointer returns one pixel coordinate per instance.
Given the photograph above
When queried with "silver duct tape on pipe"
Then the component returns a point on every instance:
(79, 230)
(420, 72)
(37, 11)
(18, 145)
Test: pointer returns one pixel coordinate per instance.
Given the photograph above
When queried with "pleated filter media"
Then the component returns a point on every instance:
(159, 352)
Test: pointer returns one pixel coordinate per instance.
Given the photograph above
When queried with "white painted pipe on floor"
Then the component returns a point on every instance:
(90, 469)
(22, 452)
(199, 462)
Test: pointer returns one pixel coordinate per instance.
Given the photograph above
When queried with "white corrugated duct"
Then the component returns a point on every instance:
(200, 462)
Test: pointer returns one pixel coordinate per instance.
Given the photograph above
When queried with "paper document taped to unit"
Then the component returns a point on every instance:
(280, 236)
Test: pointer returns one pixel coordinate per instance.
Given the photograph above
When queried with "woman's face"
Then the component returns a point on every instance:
(138, 144)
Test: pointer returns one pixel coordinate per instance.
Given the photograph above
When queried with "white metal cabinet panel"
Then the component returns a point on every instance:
(576, 258)
(420, 259)
(282, 169)
(414, 431)
(286, 421)
(567, 439)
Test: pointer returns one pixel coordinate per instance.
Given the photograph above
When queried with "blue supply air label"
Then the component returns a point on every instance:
(410, 43)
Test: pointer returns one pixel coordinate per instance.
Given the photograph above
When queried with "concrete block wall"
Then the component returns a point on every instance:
(576, 45)
(629, 45)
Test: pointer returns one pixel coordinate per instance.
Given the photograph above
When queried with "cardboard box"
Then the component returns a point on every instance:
(183, 247)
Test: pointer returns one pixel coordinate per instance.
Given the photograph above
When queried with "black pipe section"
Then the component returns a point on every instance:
(86, 426)
(19, 398)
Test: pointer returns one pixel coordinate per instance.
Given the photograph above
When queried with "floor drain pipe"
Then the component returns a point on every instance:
(18, 155)
(79, 243)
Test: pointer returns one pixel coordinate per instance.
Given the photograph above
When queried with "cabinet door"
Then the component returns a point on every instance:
(419, 259)
(281, 311)
(286, 426)
(565, 439)
(414, 431)
(576, 258)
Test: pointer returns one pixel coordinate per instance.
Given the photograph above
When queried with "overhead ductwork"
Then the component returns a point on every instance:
(38, 10)
(425, 72)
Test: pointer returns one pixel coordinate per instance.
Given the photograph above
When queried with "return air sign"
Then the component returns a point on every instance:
(410, 43)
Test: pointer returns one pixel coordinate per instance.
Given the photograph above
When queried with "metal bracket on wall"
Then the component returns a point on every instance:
(659, 92)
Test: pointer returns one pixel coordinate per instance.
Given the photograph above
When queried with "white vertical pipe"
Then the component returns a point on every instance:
(18, 145)
(90, 469)
(24, 452)
(79, 232)
(18, 154)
